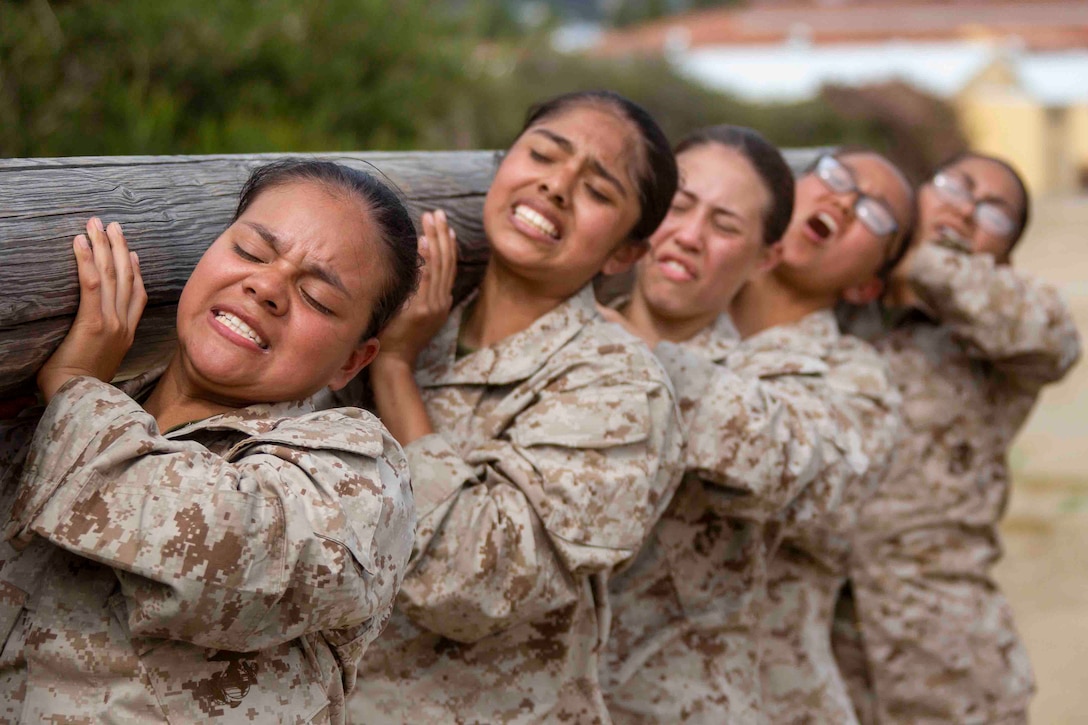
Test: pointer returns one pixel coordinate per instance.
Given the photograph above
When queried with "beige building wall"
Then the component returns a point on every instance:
(1008, 124)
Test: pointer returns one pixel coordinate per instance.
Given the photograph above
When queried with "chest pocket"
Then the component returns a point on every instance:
(586, 418)
(194, 684)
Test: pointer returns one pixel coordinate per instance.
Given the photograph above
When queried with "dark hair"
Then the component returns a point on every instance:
(396, 232)
(657, 178)
(768, 162)
(897, 247)
(1025, 210)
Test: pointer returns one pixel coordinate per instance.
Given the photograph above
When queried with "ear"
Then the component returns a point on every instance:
(769, 257)
(359, 358)
(625, 257)
(864, 293)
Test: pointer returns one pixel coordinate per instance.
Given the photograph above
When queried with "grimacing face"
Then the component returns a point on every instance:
(564, 198)
(276, 308)
(986, 181)
(711, 241)
(827, 250)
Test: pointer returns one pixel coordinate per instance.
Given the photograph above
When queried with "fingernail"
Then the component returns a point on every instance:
(423, 244)
(81, 240)
(440, 214)
(97, 224)
(135, 258)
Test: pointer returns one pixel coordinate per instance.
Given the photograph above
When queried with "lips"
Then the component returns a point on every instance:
(537, 220)
(822, 226)
(676, 268)
(240, 327)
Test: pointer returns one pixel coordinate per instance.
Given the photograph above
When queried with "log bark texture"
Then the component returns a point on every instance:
(172, 208)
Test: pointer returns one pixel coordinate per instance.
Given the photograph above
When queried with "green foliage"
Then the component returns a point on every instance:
(490, 111)
(199, 76)
(86, 77)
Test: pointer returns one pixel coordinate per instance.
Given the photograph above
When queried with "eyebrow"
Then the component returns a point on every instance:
(595, 166)
(323, 273)
(714, 209)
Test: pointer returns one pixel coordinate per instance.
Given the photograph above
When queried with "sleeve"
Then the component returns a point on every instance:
(1019, 324)
(868, 425)
(306, 527)
(572, 487)
(763, 441)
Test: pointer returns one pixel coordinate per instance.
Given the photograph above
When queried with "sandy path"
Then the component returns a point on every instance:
(1045, 572)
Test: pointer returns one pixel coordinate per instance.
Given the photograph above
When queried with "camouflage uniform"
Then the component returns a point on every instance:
(938, 635)
(557, 449)
(233, 569)
(774, 434)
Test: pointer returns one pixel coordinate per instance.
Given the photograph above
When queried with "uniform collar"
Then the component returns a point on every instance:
(512, 359)
(716, 340)
(799, 348)
(252, 420)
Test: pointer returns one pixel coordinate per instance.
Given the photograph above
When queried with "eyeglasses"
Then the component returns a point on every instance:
(870, 211)
(990, 216)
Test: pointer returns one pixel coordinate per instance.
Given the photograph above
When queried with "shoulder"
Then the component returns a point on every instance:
(603, 353)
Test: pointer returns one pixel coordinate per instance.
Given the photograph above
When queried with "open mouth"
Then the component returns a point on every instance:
(536, 220)
(951, 233)
(822, 226)
(235, 324)
(676, 270)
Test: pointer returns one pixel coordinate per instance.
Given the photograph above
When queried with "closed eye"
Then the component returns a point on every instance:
(598, 195)
(246, 255)
(537, 156)
(315, 304)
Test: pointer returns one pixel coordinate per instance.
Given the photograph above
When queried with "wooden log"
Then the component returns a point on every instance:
(172, 208)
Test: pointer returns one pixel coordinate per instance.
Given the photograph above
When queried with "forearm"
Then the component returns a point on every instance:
(1019, 324)
(398, 400)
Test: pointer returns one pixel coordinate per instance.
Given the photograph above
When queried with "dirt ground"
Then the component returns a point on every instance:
(1045, 570)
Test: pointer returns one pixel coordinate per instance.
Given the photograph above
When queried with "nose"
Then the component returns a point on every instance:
(558, 184)
(268, 287)
(689, 234)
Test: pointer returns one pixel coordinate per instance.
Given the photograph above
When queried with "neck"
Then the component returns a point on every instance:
(506, 305)
(650, 325)
(767, 301)
(172, 403)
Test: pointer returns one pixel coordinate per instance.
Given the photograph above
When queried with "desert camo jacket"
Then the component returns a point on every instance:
(556, 450)
(938, 635)
(774, 435)
(234, 569)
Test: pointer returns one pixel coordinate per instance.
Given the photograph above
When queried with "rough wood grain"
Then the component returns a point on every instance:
(172, 208)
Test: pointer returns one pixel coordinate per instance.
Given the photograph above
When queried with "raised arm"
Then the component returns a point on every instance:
(304, 527)
(572, 487)
(1019, 324)
(762, 435)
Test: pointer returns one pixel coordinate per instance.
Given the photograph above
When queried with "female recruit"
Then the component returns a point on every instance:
(200, 545)
(971, 342)
(543, 441)
(773, 423)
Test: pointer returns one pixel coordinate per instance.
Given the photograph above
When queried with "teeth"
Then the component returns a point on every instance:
(241, 328)
(677, 267)
(537, 220)
(829, 221)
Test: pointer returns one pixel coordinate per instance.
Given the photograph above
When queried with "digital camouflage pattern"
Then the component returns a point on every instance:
(773, 436)
(799, 674)
(556, 450)
(937, 634)
(234, 569)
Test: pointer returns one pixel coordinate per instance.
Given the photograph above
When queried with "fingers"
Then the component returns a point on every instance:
(442, 240)
(103, 262)
(138, 301)
(122, 265)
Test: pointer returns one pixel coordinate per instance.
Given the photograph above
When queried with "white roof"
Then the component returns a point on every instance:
(793, 72)
(1055, 79)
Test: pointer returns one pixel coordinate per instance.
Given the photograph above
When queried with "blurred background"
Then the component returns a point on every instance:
(916, 79)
